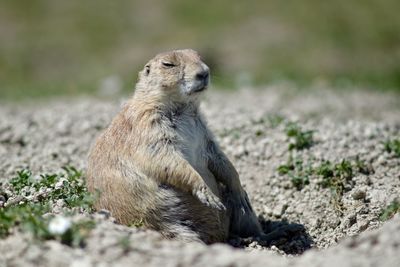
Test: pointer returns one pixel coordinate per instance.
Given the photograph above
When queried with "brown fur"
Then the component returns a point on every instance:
(158, 163)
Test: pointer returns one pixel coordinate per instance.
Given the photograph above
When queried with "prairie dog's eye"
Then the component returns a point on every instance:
(168, 64)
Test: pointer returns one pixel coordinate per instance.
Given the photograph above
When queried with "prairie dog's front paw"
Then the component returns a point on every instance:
(208, 198)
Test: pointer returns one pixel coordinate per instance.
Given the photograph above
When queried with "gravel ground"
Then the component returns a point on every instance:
(251, 126)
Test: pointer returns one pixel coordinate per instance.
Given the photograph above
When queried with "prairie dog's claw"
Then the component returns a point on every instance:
(208, 198)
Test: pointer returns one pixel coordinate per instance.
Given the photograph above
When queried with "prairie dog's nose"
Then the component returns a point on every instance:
(203, 75)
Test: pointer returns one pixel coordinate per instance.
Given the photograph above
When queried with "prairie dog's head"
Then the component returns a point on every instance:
(179, 74)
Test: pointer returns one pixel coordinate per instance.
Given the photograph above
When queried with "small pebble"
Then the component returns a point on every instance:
(359, 194)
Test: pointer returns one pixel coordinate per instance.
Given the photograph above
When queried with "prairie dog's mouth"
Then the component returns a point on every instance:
(195, 87)
(200, 89)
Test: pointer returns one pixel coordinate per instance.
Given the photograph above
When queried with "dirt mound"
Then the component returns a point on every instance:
(323, 159)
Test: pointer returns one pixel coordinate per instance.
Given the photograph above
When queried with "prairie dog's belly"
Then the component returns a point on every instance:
(192, 141)
(192, 144)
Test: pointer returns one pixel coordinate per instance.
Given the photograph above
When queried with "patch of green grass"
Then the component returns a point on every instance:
(299, 139)
(335, 176)
(68, 186)
(389, 211)
(29, 216)
(393, 146)
(73, 190)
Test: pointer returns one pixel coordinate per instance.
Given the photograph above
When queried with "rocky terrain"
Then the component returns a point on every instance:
(320, 158)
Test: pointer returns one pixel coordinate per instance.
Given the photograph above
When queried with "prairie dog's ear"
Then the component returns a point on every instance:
(144, 72)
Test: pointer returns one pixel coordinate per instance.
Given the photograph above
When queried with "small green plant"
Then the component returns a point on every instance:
(334, 174)
(299, 181)
(22, 180)
(285, 169)
(335, 177)
(299, 175)
(344, 169)
(388, 212)
(138, 223)
(27, 215)
(393, 146)
(299, 139)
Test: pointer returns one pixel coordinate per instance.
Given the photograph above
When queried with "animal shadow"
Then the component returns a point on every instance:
(291, 238)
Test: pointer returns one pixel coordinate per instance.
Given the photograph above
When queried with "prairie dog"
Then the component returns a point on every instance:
(159, 163)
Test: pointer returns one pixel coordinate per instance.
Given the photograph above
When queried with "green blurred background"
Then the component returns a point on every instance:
(54, 47)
